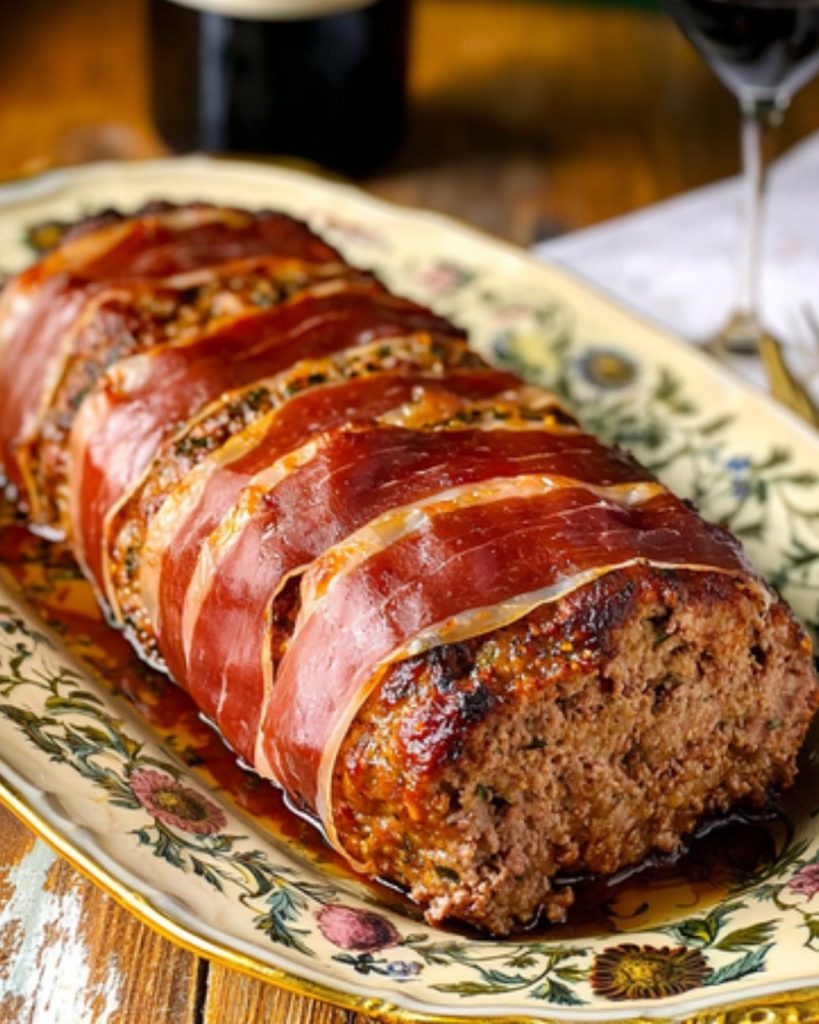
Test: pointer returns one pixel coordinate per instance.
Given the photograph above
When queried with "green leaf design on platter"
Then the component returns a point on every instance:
(554, 991)
(751, 963)
(748, 937)
(703, 931)
(554, 968)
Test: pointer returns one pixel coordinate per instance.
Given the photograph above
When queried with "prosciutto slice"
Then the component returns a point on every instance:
(125, 319)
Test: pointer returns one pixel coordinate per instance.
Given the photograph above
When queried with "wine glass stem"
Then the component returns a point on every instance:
(753, 169)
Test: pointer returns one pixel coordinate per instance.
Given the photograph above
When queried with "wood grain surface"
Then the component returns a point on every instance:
(527, 119)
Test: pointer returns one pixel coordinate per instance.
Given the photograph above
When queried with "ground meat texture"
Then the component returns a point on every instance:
(585, 737)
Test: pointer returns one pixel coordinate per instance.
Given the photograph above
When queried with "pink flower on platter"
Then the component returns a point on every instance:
(354, 232)
(176, 805)
(361, 930)
(509, 314)
(806, 881)
(442, 278)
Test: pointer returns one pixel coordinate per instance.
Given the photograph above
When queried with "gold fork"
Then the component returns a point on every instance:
(784, 386)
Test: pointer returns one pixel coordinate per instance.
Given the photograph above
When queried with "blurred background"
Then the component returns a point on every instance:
(528, 118)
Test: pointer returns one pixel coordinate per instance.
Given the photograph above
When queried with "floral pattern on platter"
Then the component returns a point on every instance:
(173, 813)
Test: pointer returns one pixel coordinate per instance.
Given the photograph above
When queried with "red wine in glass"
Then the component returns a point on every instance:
(764, 51)
(759, 49)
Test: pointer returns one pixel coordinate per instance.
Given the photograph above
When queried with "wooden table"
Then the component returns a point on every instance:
(528, 119)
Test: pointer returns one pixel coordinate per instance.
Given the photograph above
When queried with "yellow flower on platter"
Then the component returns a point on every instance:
(647, 972)
(607, 368)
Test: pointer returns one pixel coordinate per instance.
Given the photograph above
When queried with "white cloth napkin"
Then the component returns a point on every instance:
(678, 261)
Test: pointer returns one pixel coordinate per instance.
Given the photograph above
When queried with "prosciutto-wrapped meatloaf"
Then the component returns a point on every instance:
(478, 647)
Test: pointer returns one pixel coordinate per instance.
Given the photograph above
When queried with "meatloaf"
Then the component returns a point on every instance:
(479, 648)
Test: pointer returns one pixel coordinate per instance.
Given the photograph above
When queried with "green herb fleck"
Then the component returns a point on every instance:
(449, 874)
(254, 398)
(131, 561)
(660, 634)
(537, 743)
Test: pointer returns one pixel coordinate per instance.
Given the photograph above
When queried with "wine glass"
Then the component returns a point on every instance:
(763, 51)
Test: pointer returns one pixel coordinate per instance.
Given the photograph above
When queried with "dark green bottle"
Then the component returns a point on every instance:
(319, 79)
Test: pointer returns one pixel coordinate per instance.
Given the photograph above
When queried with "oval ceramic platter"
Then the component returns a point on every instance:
(111, 765)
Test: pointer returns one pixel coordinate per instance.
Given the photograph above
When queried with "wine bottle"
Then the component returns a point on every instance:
(319, 79)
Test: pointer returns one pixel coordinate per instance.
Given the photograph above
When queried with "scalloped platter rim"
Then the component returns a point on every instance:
(88, 772)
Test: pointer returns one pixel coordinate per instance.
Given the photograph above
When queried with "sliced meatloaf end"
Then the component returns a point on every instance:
(581, 739)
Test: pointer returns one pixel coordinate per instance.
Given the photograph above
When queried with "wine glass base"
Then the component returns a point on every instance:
(738, 338)
(757, 355)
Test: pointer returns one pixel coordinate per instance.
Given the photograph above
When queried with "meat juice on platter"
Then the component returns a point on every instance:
(763, 50)
(722, 853)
